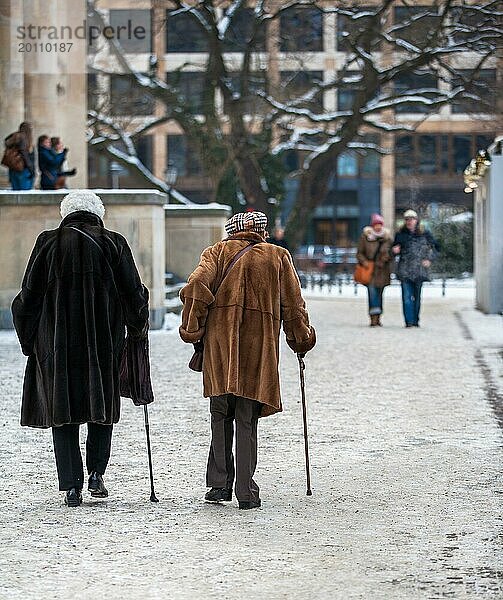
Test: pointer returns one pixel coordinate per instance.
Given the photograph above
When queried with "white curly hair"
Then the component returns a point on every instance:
(82, 200)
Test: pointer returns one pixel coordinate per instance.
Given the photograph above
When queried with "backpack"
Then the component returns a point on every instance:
(12, 158)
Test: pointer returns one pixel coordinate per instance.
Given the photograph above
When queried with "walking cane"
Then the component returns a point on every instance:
(302, 367)
(153, 497)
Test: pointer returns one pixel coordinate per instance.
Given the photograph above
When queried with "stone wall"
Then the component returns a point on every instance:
(137, 214)
(488, 209)
(189, 230)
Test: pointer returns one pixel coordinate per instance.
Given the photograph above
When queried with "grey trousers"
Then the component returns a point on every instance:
(220, 473)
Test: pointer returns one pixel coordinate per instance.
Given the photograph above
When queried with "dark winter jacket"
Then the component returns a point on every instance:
(415, 247)
(371, 247)
(49, 164)
(70, 317)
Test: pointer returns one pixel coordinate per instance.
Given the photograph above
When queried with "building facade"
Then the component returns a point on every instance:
(423, 168)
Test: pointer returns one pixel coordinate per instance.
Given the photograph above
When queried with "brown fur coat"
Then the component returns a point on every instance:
(241, 322)
(367, 248)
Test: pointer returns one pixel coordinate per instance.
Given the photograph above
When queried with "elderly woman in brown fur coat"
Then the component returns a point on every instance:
(375, 245)
(236, 299)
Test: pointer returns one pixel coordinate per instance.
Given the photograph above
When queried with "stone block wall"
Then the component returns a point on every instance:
(137, 214)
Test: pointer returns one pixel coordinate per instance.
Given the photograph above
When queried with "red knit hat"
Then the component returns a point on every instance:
(375, 219)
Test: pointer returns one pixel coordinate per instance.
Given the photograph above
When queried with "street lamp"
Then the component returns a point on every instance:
(115, 170)
(170, 176)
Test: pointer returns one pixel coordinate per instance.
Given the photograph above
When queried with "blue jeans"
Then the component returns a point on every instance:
(411, 301)
(375, 299)
(21, 180)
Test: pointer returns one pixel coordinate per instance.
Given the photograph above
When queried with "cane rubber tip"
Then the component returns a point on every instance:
(309, 493)
(153, 498)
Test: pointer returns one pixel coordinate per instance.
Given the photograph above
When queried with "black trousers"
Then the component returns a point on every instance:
(69, 458)
(220, 473)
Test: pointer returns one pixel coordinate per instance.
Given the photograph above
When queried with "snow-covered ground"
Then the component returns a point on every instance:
(406, 458)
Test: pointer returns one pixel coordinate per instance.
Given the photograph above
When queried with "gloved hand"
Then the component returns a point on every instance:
(198, 346)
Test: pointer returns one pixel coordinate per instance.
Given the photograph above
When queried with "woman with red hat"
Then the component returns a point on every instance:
(375, 246)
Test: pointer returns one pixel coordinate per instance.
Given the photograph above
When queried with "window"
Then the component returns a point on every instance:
(182, 156)
(445, 153)
(191, 87)
(419, 23)
(253, 104)
(484, 86)
(133, 30)
(370, 163)
(127, 99)
(468, 21)
(301, 30)
(346, 94)
(290, 160)
(184, 34)
(408, 84)
(404, 155)
(144, 150)
(241, 30)
(345, 98)
(297, 83)
(347, 165)
(462, 148)
(482, 142)
(427, 154)
(357, 28)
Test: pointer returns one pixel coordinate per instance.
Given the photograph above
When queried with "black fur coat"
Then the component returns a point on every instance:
(70, 316)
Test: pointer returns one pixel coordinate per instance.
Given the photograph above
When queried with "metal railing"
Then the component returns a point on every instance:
(313, 280)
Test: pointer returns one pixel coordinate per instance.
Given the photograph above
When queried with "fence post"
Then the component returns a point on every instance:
(443, 287)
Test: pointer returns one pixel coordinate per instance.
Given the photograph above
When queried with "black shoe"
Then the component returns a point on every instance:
(96, 486)
(73, 497)
(218, 495)
(251, 504)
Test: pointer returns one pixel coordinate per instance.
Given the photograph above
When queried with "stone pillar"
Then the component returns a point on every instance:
(56, 82)
(189, 230)
(137, 214)
(11, 78)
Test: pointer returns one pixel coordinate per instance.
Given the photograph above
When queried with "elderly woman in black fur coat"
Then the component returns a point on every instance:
(80, 291)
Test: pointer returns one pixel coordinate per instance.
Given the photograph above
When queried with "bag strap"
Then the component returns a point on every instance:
(90, 237)
(233, 262)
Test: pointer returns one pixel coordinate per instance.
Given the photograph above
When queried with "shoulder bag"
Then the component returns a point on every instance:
(363, 273)
(196, 362)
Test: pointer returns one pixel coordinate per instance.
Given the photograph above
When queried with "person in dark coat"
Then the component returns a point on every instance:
(415, 247)
(278, 239)
(50, 163)
(21, 142)
(80, 292)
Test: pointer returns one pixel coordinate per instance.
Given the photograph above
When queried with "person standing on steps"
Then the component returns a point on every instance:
(19, 158)
(235, 302)
(375, 245)
(416, 248)
(80, 292)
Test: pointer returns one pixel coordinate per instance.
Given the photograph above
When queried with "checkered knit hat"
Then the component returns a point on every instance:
(247, 221)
